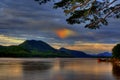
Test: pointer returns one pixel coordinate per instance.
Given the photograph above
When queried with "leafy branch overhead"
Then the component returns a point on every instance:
(93, 13)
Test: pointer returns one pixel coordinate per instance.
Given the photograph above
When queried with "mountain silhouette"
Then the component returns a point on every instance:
(37, 46)
(31, 48)
(34, 48)
(75, 53)
(104, 54)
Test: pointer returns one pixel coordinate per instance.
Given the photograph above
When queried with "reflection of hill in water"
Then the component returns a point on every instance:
(11, 71)
(32, 66)
(116, 71)
(16, 70)
(85, 66)
(57, 69)
(81, 69)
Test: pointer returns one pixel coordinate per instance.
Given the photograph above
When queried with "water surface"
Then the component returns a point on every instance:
(57, 69)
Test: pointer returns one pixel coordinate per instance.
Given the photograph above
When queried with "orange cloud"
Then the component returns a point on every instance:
(64, 33)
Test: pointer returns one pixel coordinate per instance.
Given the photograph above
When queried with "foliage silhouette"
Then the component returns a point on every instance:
(116, 51)
(116, 71)
(93, 13)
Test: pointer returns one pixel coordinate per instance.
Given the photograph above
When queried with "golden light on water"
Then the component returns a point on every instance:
(12, 70)
(81, 66)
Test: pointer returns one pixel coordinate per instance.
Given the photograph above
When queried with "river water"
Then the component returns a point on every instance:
(57, 69)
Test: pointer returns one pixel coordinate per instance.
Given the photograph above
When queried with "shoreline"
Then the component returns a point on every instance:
(116, 61)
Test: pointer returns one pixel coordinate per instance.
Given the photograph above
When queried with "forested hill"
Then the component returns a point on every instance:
(31, 48)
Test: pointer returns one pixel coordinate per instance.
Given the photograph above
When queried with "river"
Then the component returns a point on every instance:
(57, 69)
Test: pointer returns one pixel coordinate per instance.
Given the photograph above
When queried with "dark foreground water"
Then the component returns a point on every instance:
(57, 69)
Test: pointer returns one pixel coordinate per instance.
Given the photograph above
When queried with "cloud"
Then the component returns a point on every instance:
(7, 40)
(86, 47)
(64, 33)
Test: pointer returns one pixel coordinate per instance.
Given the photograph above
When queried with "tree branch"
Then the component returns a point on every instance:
(111, 12)
(108, 5)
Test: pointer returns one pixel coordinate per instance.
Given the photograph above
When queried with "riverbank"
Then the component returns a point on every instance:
(116, 61)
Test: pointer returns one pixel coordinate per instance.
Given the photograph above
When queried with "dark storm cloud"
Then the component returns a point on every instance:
(24, 14)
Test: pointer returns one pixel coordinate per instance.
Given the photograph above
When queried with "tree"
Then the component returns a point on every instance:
(93, 13)
(116, 71)
(116, 51)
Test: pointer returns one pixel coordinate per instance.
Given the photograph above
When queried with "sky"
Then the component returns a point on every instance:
(22, 20)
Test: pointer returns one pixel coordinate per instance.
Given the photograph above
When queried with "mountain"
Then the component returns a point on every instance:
(81, 54)
(37, 46)
(31, 48)
(34, 48)
(104, 54)
(13, 51)
(77, 54)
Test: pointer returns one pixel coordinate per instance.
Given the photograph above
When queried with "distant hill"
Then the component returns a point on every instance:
(77, 54)
(13, 51)
(81, 54)
(37, 46)
(31, 48)
(34, 48)
(104, 54)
